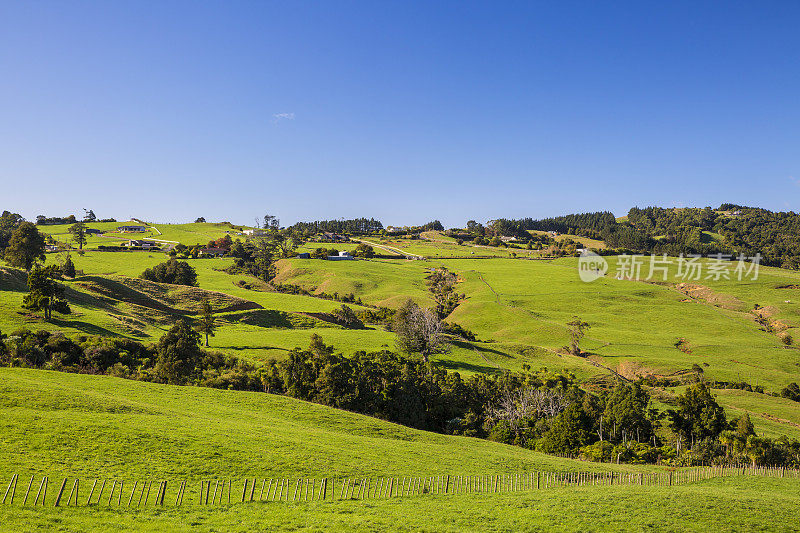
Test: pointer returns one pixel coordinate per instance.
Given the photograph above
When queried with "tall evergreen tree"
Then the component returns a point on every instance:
(25, 247)
(44, 293)
(207, 324)
(78, 231)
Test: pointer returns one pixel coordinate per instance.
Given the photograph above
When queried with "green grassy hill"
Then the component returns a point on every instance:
(188, 234)
(83, 426)
(55, 424)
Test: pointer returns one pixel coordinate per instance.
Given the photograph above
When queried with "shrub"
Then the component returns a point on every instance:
(346, 317)
(172, 271)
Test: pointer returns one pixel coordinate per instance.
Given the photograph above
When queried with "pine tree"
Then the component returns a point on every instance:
(207, 324)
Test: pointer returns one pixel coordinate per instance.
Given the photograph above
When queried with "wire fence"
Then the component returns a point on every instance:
(66, 492)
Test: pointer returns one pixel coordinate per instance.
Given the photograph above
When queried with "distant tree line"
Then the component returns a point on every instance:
(89, 216)
(742, 230)
(355, 226)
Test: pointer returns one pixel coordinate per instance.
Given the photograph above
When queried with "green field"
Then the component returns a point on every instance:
(70, 424)
(188, 234)
(67, 425)
(518, 309)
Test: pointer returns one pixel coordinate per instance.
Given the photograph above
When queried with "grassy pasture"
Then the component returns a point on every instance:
(80, 425)
(635, 325)
(517, 308)
(188, 234)
(771, 416)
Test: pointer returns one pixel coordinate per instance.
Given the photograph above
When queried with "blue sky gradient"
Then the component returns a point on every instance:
(404, 111)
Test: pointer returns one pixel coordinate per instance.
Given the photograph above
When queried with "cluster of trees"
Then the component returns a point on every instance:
(419, 330)
(537, 410)
(224, 242)
(590, 225)
(745, 230)
(23, 247)
(355, 226)
(176, 358)
(172, 271)
(441, 284)
(791, 391)
(414, 231)
(346, 317)
(257, 256)
(42, 220)
(45, 294)
(8, 223)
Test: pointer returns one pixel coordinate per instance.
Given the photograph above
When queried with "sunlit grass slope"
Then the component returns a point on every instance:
(79, 425)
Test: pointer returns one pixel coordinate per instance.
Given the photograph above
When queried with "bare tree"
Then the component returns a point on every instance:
(514, 406)
(577, 329)
(419, 331)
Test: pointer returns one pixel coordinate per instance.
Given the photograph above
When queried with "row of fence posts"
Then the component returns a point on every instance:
(291, 489)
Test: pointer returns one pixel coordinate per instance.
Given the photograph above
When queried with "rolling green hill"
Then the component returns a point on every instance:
(71, 425)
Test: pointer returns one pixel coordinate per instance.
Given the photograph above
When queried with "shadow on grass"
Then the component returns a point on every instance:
(468, 367)
(91, 329)
(239, 348)
(482, 349)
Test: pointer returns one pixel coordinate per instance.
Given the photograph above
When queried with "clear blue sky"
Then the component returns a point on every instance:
(404, 111)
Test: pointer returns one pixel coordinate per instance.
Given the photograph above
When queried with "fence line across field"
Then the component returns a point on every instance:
(229, 490)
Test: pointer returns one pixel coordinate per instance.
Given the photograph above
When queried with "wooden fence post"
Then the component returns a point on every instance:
(100, 495)
(27, 491)
(39, 492)
(149, 488)
(110, 496)
(91, 492)
(10, 483)
(71, 492)
(60, 492)
(42, 490)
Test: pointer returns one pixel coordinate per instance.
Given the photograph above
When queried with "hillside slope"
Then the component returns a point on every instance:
(81, 425)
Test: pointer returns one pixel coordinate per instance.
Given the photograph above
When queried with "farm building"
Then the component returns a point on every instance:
(304, 255)
(216, 252)
(93, 231)
(131, 229)
(331, 237)
(343, 256)
(253, 232)
(145, 245)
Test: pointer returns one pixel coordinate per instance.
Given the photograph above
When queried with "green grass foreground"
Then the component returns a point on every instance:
(77, 425)
(722, 504)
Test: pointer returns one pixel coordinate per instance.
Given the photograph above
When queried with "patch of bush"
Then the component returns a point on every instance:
(172, 271)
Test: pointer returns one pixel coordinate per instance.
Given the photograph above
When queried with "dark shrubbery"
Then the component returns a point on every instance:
(345, 316)
(791, 391)
(172, 271)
